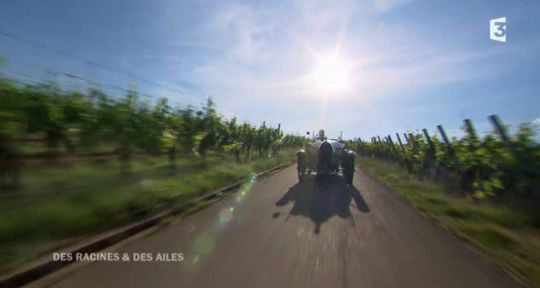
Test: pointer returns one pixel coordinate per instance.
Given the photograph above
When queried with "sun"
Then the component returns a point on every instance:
(331, 74)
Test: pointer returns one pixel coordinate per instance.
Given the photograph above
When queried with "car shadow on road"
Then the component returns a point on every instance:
(321, 200)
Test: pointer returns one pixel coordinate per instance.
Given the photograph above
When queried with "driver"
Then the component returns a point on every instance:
(321, 135)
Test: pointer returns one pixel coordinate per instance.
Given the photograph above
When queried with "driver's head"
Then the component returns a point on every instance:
(321, 134)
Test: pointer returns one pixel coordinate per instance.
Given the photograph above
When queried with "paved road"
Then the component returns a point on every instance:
(278, 233)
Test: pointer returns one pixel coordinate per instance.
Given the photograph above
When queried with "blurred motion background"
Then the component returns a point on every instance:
(111, 112)
(75, 163)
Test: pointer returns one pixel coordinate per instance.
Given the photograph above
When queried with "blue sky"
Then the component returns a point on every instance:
(413, 64)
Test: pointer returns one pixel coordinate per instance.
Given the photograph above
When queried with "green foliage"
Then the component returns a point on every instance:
(487, 166)
(65, 122)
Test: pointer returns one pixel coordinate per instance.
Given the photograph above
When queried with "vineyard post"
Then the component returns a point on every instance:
(391, 142)
(445, 138)
(428, 138)
(413, 150)
(384, 145)
(380, 147)
(468, 176)
(470, 129)
(400, 143)
(404, 152)
(449, 147)
(412, 140)
(501, 130)
(388, 148)
(430, 157)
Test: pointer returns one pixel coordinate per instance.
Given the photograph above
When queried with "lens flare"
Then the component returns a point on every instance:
(331, 73)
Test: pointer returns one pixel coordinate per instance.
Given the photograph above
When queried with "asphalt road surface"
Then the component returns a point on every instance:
(279, 233)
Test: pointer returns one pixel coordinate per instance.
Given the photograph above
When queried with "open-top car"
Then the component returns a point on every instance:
(324, 156)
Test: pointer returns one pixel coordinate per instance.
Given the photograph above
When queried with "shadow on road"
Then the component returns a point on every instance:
(321, 200)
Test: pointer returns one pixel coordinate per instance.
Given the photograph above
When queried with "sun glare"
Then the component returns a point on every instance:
(331, 74)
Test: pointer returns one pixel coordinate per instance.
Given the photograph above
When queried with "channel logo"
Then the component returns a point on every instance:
(497, 29)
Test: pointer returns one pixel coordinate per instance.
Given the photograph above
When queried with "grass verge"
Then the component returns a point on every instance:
(504, 235)
(61, 204)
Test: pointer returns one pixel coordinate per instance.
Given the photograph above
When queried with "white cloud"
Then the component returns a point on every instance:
(261, 56)
(386, 5)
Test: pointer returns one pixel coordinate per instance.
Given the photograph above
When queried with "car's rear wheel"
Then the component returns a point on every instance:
(301, 165)
(301, 175)
(348, 167)
(348, 174)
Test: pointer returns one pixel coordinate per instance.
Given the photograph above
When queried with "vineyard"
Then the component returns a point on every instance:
(74, 164)
(43, 122)
(497, 166)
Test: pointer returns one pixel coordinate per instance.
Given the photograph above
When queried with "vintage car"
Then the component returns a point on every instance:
(323, 157)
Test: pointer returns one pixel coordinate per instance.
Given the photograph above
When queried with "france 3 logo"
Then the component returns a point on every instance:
(497, 29)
